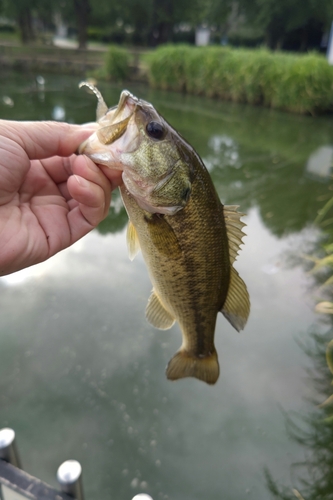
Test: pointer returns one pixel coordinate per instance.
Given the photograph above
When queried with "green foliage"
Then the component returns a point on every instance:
(114, 222)
(278, 20)
(117, 63)
(167, 67)
(296, 83)
(313, 431)
(149, 22)
(325, 263)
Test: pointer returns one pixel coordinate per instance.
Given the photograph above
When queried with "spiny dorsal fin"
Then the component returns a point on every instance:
(236, 307)
(157, 315)
(133, 244)
(234, 230)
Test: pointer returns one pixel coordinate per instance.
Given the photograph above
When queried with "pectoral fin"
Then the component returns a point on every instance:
(236, 307)
(133, 244)
(157, 315)
(163, 236)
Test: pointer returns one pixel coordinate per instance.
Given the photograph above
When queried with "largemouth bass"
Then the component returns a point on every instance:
(188, 239)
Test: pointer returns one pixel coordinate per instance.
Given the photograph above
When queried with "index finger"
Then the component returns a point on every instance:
(42, 140)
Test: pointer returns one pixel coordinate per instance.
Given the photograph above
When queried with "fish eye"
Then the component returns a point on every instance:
(155, 130)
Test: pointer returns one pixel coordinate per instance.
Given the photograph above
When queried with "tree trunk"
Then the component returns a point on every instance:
(165, 31)
(25, 26)
(279, 43)
(162, 22)
(304, 39)
(82, 11)
(268, 39)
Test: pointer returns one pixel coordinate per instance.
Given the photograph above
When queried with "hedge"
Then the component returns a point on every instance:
(292, 82)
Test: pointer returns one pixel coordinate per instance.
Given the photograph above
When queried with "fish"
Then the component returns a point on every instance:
(188, 238)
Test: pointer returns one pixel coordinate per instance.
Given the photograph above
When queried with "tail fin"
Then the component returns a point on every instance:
(184, 364)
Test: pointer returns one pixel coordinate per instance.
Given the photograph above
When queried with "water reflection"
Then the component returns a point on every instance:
(117, 218)
(58, 113)
(81, 371)
(7, 101)
(319, 164)
(312, 478)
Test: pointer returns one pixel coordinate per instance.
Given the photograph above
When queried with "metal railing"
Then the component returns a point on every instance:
(15, 484)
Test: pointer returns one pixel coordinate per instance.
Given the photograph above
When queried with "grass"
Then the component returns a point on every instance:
(296, 83)
(12, 37)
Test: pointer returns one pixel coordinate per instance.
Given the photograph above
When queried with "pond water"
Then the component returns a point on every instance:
(82, 372)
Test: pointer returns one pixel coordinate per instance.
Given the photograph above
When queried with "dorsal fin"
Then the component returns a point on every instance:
(234, 230)
(236, 307)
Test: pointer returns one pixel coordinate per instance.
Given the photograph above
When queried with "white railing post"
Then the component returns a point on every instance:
(8, 450)
(69, 476)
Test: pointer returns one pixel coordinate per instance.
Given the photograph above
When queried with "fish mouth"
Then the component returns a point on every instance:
(127, 105)
(109, 133)
(114, 123)
(112, 126)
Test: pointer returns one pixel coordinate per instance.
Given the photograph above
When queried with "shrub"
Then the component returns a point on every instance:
(117, 63)
(297, 83)
(167, 67)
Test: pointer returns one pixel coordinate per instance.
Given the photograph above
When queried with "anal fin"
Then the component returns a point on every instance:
(157, 315)
(236, 307)
(183, 364)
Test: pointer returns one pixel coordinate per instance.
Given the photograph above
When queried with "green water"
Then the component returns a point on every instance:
(82, 372)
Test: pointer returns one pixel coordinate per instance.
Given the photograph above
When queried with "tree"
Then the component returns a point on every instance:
(21, 11)
(278, 20)
(76, 13)
(82, 10)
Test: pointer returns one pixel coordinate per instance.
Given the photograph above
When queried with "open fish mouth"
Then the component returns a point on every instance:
(113, 123)
(117, 119)
(126, 105)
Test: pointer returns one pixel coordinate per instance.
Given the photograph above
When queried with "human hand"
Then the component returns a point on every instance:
(49, 197)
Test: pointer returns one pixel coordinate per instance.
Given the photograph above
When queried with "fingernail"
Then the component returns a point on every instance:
(91, 164)
(83, 182)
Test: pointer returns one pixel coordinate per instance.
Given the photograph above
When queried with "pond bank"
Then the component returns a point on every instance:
(301, 84)
(66, 60)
